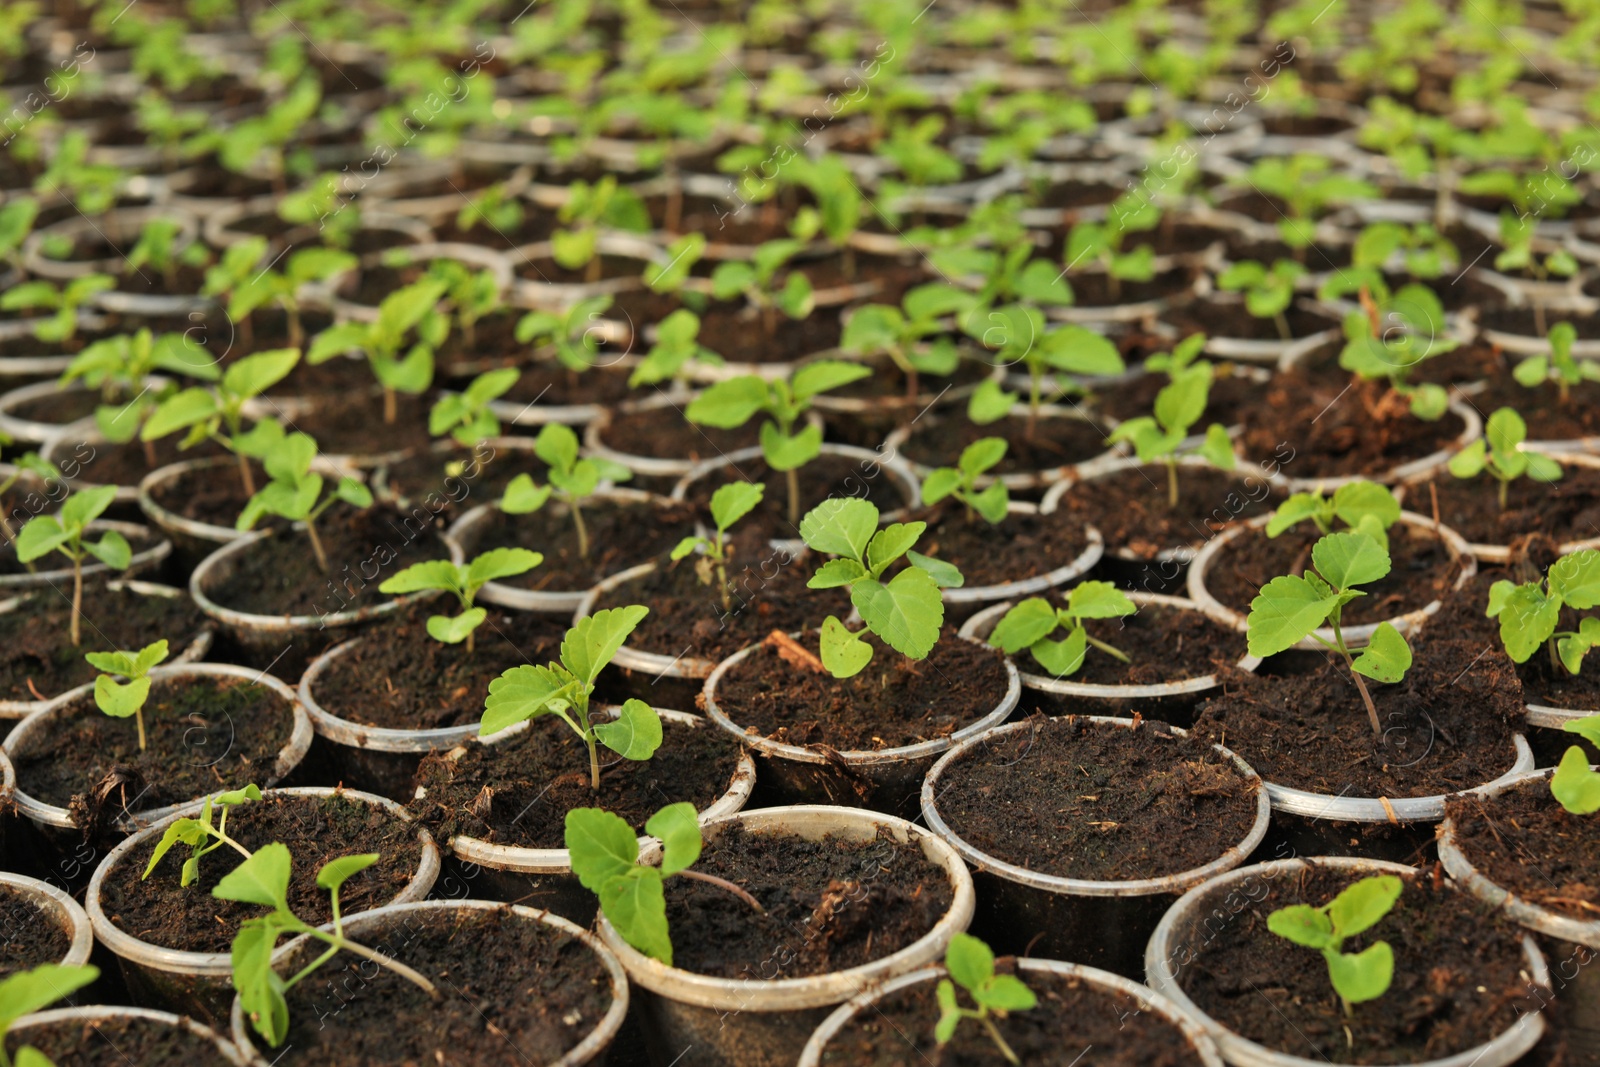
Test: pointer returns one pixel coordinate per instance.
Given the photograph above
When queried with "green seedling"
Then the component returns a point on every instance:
(1356, 976)
(202, 835)
(1575, 785)
(120, 368)
(588, 208)
(123, 699)
(573, 480)
(1364, 507)
(1030, 624)
(1267, 290)
(563, 689)
(411, 311)
(729, 504)
(217, 413)
(1307, 190)
(496, 207)
(1291, 608)
(66, 533)
(961, 481)
(1005, 271)
(906, 334)
(571, 334)
(1160, 436)
(970, 965)
(157, 248)
(1516, 239)
(1101, 242)
(16, 223)
(248, 282)
(676, 350)
(1559, 366)
(905, 612)
(60, 326)
(471, 294)
(1063, 350)
(29, 991)
(735, 401)
(605, 857)
(468, 416)
(756, 280)
(1499, 451)
(463, 580)
(1529, 613)
(670, 274)
(295, 491)
(1386, 340)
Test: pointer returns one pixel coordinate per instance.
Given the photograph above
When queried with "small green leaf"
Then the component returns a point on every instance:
(840, 526)
(1574, 786)
(636, 732)
(1030, 621)
(636, 905)
(1347, 560)
(1360, 905)
(837, 572)
(593, 640)
(1576, 579)
(262, 879)
(432, 574)
(120, 700)
(787, 452)
(1587, 727)
(1470, 461)
(602, 845)
(734, 501)
(969, 961)
(1099, 600)
(1006, 992)
(333, 874)
(949, 1012)
(523, 497)
(907, 612)
(944, 575)
(1062, 659)
(450, 630)
(677, 826)
(1285, 612)
(1361, 976)
(523, 693)
(1386, 658)
(29, 991)
(844, 653)
(940, 483)
(1304, 925)
(500, 563)
(890, 543)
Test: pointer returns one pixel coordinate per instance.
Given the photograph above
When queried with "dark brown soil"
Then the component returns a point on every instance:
(351, 423)
(451, 483)
(119, 1042)
(1421, 572)
(1568, 510)
(1056, 442)
(621, 535)
(1070, 1019)
(830, 905)
(30, 934)
(1165, 644)
(1229, 393)
(1130, 507)
(889, 384)
(214, 495)
(1525, 841)
(824, 477)
(1367, 430)
(1447, 725)
(1078, 799)
(1457, 980)
(664, 433)
(279, 574)
(202, 735)
(549, 383)
(400, 678)
(1100, 290)
(1021, 546)
(38, 659)
(515, 991)
(159, 911)
(518, 791)
(892, 703)
(1233, 320)
(738, 336)
(58, 409)
(127, 464)
(1547, 416)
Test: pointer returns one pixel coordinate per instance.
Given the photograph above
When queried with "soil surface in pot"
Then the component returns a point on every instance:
(278, 575)
(1057, 441)
(550, 383)
(518, 791)
(1447, 726)
(1078, 799)
(1070, 1018)
(1568, 510)
(400, 678)
(159, 911)
(1549, 418)
(892, 703)
(1130, 509)
(515, 992)
(1421, 571)
(127, 464)
(460, 479)
(622, 534)
(352, 424)
(212, 495)
(58, 409)
(91, 763)
(1166, 644)
(119, 1042)
(38, 659)
(1457, 978)
(32, 935)
(1367, 430)
(665, 433)
(1525, 841)
(830, 905)
(1129, 400)
(1021, 546)
(738, 335)
(1222, 318)
(824, 477)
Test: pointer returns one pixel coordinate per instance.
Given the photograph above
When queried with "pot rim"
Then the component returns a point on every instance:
(68, 912)
(1546, 717)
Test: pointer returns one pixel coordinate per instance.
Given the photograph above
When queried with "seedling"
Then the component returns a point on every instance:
(66, 533)
(120, 368)
(604, 852)
(756, 279)
(970, 965)
(589, 207)
(472, 294)
(1306, 189)
(1291, 608)
(29, 991)
(496, 207)
(468, 416)
(1559, 366)
(464, 581)
(63, 303)
(571, 333)
(240, 277)
(1574, 785)
(16, 223)
(1364, 507)
(729, 504)
(1008, 271)
(1030, 624)
(295, 491)
(1066, 350)
(735, 401)
(404, 312)
(961, 481)
(903, 333)
(217, 413)
(158, 249)
(1388, 340)
(203, 835)
(1499, 451)
(122, 699)
(1267, 290)
(1101, 242)
(677, 348)
(572, 480)
(563, 689)
(670, 276)
(1529, 613)
(1160, 436)
(1356, 976)
(1516, 237)
(263, 879)
(905, 612)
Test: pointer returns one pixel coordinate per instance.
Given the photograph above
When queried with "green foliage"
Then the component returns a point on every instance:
(1160, 436)
(468, 416)
(1389, 338)
(1529, 613)
(121, 366)
(1499, 451)
(202, 835)
(1574, 785)
(1558, 366)
(681, 257)
(26, 992)
(571, 334)
(65, 532)
(1267, 290)
(605, 856)
(408, 312)
(970, 965)
(756, 280)
(588, 209)
(1358, 976)
(121, 700)
(1364, 507)
(1307, 189)
(63, 303)
(462, 580)
(729, 504)
(295, 491)
(915, 335)
(217, 413)
(961, 481)
(676, 349)
(573, 479)
(1029, 625)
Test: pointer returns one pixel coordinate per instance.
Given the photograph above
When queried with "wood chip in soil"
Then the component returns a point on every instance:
(1525, 841)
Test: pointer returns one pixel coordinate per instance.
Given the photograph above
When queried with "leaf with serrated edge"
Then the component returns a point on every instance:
(1386, 658)
(844, 653)
(636, 732)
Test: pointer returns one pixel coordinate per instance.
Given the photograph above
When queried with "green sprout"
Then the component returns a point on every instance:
(1499, 451)
(1306, 188)
(1559, 366)
(295, 491)
(122, 699)
(471, 294)
(1357, 976)
(563, 689)
(463, 580)
(572, 480)
(65, 533)
(1364, 507)
(1530, 612)
(1574, 785)
(902, 333)
(961, 481)
(729, 504)
(677, 348)
(1267, 290)
(240, 277)
(120, 368)
(681, 256)
(404, 312)
(589, 207)
(1160, 436)
(202, 835)
(1291, 608)
(571, 333)
(1030, 624)
(906, 611)
(468, 416)
(61, 326)
(755, 279)
(970, 965)
(158, 249)
(1101, 242)
(29, 991)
